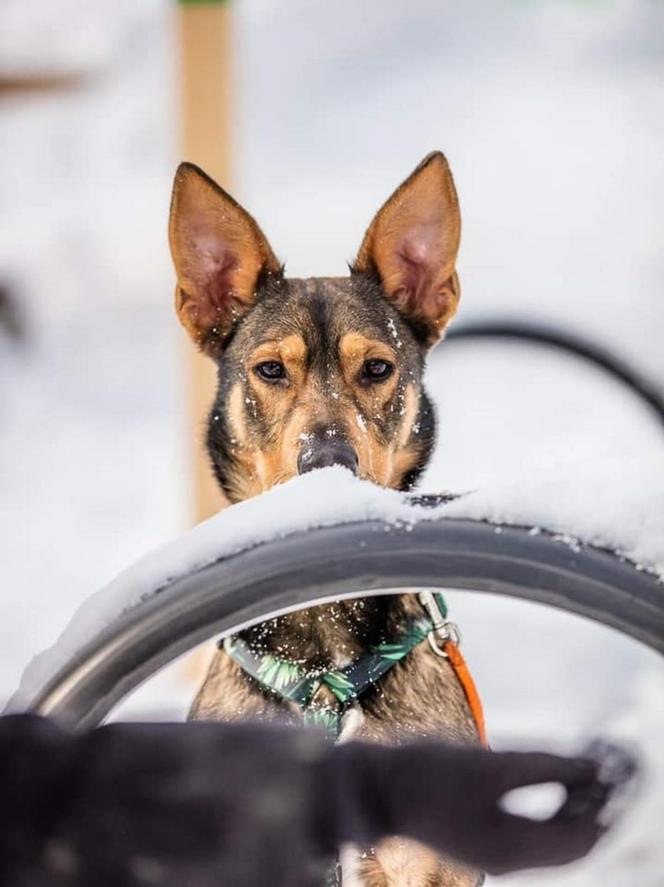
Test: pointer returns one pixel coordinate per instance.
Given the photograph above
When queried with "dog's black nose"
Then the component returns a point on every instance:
(322, 454)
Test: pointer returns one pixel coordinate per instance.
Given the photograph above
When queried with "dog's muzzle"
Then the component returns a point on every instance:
(323, 453)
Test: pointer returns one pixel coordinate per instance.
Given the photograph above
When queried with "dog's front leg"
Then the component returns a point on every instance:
(421, 696)
(229, 694)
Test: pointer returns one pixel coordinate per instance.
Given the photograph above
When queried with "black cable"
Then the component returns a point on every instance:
(651, 393)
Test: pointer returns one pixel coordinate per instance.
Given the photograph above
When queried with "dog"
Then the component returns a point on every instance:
(320, 372)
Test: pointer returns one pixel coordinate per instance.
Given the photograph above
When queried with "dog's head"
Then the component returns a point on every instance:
(326, 370)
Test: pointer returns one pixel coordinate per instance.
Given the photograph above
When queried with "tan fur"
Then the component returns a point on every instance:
(379, 461)
(398, 862)
(246, 481)
(409, 415)
(292, 350)
(356, 348)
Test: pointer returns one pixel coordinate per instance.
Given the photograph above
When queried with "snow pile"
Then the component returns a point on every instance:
(318, 499)
(618, 506)
(640, 725)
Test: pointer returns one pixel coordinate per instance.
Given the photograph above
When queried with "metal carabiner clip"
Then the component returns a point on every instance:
(448, 631)
(443, 630)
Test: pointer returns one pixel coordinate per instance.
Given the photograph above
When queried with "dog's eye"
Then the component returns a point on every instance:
(377, 370)
(270, 370)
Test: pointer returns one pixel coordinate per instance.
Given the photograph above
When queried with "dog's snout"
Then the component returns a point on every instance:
(322, 454)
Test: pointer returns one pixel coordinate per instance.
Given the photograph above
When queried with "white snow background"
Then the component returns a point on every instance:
(551, 114)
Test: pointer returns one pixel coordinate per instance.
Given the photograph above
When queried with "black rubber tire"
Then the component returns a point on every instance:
(343, 561)
(648, 390)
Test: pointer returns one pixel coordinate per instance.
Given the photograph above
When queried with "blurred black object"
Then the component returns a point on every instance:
(210, 804)
(12, 322)
(617, 774)
(644, 388)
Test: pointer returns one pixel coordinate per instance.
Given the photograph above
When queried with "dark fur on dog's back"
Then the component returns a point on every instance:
(318, 372)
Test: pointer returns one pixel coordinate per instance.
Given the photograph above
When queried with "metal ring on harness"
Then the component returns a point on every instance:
(443, 630)
(448, 631)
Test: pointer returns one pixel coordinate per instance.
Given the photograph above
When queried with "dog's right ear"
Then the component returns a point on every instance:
(219, 253)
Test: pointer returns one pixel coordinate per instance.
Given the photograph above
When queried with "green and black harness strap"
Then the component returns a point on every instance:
(291, 681)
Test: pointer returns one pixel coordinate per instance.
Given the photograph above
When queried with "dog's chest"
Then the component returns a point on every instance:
(327, 636)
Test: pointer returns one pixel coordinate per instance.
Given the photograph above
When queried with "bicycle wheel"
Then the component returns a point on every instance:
(344, 561)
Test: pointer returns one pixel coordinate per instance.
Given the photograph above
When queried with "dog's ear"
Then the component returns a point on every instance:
(412, 246)
(219, 253)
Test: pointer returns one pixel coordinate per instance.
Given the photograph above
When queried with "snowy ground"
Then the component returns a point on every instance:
(552, 115)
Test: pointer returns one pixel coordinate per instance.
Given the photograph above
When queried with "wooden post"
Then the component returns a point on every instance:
(205, 77)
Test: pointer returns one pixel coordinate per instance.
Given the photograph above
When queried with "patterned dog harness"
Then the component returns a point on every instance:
(291, 682)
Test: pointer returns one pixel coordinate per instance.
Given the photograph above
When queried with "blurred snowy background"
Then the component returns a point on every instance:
(552, 116)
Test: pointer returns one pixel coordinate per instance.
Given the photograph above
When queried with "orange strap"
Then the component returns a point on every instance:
(465, 678)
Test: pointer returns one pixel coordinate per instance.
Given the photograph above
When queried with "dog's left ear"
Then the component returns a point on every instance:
(412, 246)
(219, 253)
